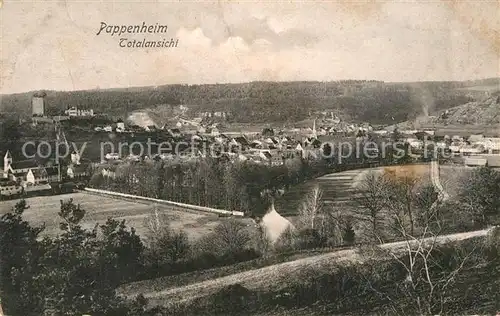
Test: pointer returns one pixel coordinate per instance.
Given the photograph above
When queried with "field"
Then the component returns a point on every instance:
(339, 187)
(44, 209)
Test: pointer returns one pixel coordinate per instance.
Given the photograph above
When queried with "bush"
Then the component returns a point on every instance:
(309, 238)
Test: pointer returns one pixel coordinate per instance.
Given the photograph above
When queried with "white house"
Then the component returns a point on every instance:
(120, 126)
(475, 161)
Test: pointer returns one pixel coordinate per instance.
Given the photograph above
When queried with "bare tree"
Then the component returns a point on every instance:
(400, 198)
(311, 208)
(371, 197)
(430, 271)
(231, 236)
(157, 223)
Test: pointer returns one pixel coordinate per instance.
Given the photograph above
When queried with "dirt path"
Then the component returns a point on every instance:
(436, 182)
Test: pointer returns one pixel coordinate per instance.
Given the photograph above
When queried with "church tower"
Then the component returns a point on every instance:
(314, 135)
(7, 162)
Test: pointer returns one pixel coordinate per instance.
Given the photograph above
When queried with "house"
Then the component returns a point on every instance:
(475, 161)
(52, 174)
(242, 141)
(214, 131)
(120, 126)
(415, 143)
(256, 144)
(19, 170)
(472, 150)
(151, 128)
(493, 161)
(109, 172)
(270, 141)
(74, 111)
(75, 158)
(491, 144)
(112, 156)
(475, 138)
(77, 171)
(36, 177)
(9, 188)
(196, 137)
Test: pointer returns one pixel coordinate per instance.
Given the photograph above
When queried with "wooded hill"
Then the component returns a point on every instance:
(373, 101)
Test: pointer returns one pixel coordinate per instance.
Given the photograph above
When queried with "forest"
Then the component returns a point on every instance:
(369, 101)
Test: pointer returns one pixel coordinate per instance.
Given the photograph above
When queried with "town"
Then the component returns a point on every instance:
(271, 146)
(268, 158)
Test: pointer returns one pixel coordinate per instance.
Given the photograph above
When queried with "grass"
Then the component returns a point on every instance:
(44, 209)
(183, 279)
(338, 187)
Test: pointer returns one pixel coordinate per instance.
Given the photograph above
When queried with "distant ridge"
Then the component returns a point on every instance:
(263, 101)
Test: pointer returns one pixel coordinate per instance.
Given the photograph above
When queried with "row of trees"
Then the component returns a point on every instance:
(233, 185)
(209, 182)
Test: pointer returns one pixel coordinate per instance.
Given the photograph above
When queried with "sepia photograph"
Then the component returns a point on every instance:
(264, 158)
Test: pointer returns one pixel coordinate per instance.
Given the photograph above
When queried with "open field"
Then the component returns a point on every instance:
(43, 209)
(338, 188)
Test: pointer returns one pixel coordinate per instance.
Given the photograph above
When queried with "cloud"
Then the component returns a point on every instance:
(54, 45)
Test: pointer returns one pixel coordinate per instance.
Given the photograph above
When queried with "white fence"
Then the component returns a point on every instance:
(177, 204)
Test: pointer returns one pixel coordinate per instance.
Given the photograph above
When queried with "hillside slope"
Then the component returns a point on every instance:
(271, 277)
(484, 112)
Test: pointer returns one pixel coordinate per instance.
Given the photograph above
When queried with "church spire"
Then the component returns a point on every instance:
(315, 135)
(7, 162)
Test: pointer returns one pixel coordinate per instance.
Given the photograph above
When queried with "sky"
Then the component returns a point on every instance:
(53, 45)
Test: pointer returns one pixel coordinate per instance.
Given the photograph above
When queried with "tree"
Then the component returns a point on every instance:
(73, 273)
(401, 188)
(480, 196)
(348, 234)
(431, 270)
(18, 243)
(311, 208)
(165, 245)
(231, 236)
(371, 197)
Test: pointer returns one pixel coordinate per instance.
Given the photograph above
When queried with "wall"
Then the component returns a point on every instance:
(182, 205)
